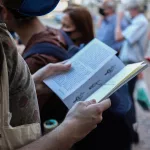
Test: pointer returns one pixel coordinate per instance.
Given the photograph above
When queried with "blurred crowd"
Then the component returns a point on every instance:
(124, 28)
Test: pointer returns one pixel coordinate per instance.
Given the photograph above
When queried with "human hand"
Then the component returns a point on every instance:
(47, 71)
(50, 70)
(84, 117)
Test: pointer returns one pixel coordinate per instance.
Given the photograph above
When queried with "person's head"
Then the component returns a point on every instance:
(31, 7)
(134, 7)
(18, 12)
(107, 8)
(78, 24)
(13, 18)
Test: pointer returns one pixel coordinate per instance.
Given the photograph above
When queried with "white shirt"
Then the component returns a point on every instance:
(136, 40)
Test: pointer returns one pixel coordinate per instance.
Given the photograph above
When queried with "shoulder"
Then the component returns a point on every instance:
(45, 51)
(37, 61)
(21, 86)
(41, 52)
(39, 58)
(141, 20)
(9, 50)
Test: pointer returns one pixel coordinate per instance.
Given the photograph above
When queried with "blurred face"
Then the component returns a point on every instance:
(133, 12)
(107, 10)
(67, 24)
(69, 27)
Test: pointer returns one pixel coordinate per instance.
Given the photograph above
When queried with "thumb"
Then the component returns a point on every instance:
(104, 105)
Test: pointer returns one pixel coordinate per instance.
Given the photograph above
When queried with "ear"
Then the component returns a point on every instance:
(6, 15)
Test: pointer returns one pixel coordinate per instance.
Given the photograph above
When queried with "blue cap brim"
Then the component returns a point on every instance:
(37, 7)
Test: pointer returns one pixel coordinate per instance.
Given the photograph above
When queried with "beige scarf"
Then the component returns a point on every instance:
(12, 138)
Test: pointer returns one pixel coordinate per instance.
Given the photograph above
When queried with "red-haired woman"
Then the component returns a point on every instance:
(78, 24)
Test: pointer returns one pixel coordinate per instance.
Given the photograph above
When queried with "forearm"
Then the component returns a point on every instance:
(100, 22)
(59, 139)
(118, 32)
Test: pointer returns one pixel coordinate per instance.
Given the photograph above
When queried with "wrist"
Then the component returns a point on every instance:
(67, 131)
(118, 28)
(118, 24)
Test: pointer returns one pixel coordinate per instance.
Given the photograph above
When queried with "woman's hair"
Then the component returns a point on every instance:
(82, 20)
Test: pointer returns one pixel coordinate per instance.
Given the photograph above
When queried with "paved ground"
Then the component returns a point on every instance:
(144, 130)
(144, 122)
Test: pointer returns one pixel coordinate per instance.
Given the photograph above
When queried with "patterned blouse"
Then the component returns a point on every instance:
(23, 100)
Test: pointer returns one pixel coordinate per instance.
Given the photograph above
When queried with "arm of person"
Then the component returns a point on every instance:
(137, 28)
(118, 32)
(100, 21)
(79, 122)
(134, 32)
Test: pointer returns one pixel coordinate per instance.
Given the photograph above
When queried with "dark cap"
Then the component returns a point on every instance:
(31, 7)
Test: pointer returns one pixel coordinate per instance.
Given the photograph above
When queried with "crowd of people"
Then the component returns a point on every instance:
(26, 102)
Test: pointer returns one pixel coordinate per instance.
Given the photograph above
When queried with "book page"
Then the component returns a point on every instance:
(103, 75)
(94, 55)
(84, 65)
(126, 74)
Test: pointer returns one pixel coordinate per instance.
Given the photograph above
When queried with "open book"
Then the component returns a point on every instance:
(96, 74)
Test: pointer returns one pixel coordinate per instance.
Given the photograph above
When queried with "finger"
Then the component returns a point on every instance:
(63, 62)
(53, 69)
(100, 107)
(104, 105)
(50, 70)
(61, 68)
(88, 103)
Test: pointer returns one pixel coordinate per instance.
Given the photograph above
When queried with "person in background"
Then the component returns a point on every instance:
(78, 24)
(136, 40)
(106, 29)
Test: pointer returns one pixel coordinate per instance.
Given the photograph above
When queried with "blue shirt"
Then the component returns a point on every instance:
(136, 40)
(106, 33)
